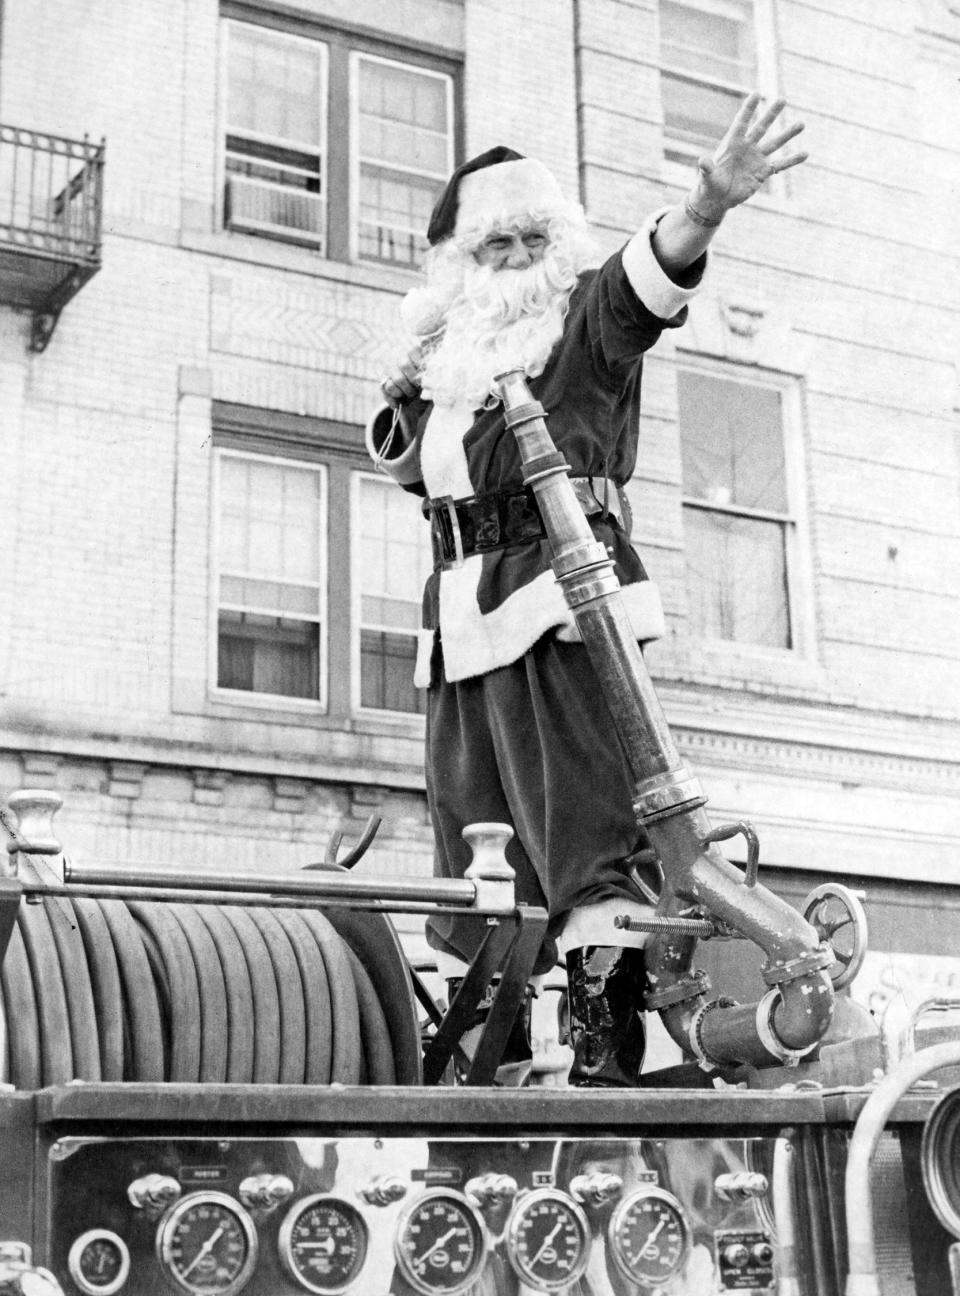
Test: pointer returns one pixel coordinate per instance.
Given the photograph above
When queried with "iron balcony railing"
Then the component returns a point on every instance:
(51, 204)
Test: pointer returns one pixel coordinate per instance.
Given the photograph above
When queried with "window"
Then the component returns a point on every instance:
(404, 156)
(360, 188)
(739, 531)
(394, 560)
(271, 581)
(708, 63)
(318, 567)
(275, 135)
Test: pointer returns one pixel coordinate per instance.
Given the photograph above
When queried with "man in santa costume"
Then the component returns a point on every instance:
(517, 728)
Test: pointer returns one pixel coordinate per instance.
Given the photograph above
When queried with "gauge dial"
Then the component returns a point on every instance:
(441, 1243)
(207, 1244)
(649, 1237)
(548, 1239)
(323, 1243)
(99, 1262)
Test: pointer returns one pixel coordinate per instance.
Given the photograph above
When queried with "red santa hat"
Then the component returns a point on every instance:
(494, 190)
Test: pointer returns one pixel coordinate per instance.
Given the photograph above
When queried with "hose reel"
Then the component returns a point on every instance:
(95, 989)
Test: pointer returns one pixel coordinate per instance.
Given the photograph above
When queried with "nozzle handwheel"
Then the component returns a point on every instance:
(829, 909)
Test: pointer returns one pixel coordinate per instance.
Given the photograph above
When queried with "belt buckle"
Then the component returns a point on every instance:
(448, 525)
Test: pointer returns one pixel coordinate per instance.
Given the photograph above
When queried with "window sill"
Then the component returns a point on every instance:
(224, 705)
(750, 667)
(231, 246)
(262, 706)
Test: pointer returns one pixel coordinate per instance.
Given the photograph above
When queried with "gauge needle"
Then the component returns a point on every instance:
(440, 1242)
(548, 1241)
(653, 1237)
(205, 1250)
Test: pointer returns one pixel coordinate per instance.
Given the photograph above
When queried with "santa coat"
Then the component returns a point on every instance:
(490, 610)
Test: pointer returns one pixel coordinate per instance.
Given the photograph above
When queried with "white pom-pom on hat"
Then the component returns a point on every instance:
(424, 310)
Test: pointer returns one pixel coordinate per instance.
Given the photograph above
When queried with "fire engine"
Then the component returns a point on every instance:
(216, 1083)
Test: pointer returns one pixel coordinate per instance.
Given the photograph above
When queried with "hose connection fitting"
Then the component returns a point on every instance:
(768, 1037)
(695, 1033)
(817, 960)
(693, 986)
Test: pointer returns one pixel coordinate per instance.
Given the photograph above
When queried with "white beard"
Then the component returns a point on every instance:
(501, 320)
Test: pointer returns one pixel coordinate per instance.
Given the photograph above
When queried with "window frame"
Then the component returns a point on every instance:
(228, 25)
(339, 448)
(356, 617)
(244, 697)
(340, 167)
(764, 37)
(356, 55)
(796, 542)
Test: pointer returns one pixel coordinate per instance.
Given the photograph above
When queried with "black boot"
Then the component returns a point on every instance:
(605, 987)
(517, 1060)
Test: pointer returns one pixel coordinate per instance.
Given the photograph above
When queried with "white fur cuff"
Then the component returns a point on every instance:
(647, 277)
(401, 461)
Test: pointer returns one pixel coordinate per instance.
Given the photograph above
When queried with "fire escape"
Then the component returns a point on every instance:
(51, 203)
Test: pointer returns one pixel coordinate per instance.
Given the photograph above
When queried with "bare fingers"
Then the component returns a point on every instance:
(784, 163)
(403, 382)
(758, 129)
(744, 114)
(784, 137)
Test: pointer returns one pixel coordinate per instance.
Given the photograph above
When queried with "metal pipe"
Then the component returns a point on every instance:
(35, 892)
(898, 1027)
(862, 1279)
(313, 885)
(793, 1017)
(785, 1215)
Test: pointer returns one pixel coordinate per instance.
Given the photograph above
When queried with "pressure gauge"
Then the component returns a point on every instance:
(441, 1243)
(649, 1237)
(99, 1262)
(548, 1240)
(323, 1243)
(207, 1245)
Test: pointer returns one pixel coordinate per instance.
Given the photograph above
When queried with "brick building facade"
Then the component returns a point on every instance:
(207, 594)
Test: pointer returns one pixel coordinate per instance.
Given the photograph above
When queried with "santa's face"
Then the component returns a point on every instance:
(514, 249)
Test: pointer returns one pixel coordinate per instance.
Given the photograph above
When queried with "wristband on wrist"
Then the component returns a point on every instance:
(698, 218)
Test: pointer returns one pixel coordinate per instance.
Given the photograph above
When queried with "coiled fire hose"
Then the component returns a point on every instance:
(108, 990)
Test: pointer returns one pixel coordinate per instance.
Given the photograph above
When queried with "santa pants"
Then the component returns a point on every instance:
(533, 745)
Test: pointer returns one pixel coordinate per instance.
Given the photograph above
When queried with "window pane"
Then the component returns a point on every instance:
(736, 578)
(395, 560)
(696, 114)
(275, 136)
(708, 62)
(386, 672)
(394, 213)
(275, 86)
(694, 40)
(732, 442)
(260, 654)
(270, 568)
(405, 151)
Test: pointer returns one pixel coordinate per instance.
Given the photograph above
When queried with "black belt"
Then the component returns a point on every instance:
(499, 519)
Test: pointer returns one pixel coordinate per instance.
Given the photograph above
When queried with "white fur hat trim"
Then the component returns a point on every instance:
(498, 195)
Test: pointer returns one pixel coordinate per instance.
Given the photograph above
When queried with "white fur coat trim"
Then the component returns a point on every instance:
(661, 296)
(474, 642)
(443, 461)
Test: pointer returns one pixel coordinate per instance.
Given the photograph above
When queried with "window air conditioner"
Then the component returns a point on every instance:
(279, 211)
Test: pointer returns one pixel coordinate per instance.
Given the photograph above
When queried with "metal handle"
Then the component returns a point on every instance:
(747, 831)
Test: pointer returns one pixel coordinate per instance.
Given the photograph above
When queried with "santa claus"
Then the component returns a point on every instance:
(517, 728)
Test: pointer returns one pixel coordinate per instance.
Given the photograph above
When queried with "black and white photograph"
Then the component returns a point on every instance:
(479, 647)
